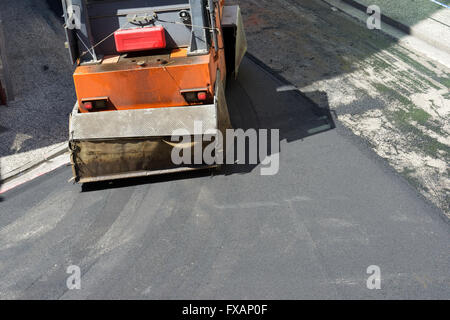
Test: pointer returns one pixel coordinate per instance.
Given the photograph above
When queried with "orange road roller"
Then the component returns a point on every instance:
(144, 70)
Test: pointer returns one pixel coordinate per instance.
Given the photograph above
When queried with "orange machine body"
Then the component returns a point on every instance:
(145, 82)
(152, 79)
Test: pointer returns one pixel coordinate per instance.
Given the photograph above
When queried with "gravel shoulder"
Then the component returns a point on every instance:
(41, 75)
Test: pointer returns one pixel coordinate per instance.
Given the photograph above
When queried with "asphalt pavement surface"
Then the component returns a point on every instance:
(308, 232)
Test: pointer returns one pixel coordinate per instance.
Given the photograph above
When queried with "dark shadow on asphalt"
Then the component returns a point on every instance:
(55, 7)
(258, 99)
(125, 183)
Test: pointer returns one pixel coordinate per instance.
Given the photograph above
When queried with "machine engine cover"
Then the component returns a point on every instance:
(140, 39)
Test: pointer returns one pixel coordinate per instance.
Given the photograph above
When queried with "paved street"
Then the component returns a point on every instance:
(310, 231)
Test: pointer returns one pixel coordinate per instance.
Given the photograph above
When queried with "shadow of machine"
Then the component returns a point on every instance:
(261, 99)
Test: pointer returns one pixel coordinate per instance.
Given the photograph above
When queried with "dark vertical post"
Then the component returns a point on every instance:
(6, 90)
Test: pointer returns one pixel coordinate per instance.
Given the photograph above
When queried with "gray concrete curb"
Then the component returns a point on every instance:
(414, 31)
(384, 18)
(19, 171)
(409, 40)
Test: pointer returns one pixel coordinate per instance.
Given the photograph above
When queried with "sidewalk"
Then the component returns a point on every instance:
(35, 122)
(424, 19)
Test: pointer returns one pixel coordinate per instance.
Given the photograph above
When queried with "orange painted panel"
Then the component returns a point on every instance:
(177, 53)
(150, 85)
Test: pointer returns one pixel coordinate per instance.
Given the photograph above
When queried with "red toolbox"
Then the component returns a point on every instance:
(140, 39)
